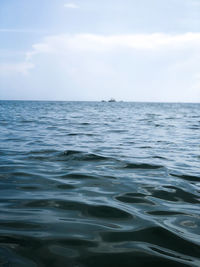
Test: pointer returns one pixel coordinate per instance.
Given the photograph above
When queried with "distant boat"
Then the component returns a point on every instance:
(112, 100)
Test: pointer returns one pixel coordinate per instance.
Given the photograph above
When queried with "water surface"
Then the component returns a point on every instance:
(99, 184)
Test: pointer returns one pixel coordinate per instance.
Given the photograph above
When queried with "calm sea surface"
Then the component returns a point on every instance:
(99, 184)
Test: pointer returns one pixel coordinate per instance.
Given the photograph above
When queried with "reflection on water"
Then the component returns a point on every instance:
(99, 184)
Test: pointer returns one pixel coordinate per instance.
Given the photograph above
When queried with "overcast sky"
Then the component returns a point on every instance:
(132, 50)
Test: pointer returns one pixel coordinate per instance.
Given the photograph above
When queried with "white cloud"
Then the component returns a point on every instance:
(161, 67)
(100, 43)
(15, 68)
(139, 67)
(71, 5)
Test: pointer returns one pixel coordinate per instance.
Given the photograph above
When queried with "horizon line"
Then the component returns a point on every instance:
(101, 101)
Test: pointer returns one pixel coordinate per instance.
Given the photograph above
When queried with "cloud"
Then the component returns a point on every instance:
(102, 43)
(139, 67)
(15, 68)
(71, 5)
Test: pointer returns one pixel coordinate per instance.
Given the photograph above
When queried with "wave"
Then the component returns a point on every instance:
(142, 166)
(81, 155)
(191, 178)
(154, 235)
(98, 211)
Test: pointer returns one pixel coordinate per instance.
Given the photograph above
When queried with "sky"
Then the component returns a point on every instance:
(147, 50)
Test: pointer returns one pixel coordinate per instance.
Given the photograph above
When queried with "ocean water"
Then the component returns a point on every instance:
(99, 184)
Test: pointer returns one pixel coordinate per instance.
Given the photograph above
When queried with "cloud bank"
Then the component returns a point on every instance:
(138, 67)
(100, 43)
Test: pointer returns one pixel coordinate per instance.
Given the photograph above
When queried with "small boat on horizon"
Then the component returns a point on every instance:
(112, 100)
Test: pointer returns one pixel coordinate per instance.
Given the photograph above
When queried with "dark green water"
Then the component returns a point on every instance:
(99, 184)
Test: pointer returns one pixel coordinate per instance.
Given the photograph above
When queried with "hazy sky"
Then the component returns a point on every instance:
(135, 50)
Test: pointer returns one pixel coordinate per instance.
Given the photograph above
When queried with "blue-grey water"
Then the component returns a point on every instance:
(99, 184)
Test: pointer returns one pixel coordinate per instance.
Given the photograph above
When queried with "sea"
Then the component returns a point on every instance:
(99, 184)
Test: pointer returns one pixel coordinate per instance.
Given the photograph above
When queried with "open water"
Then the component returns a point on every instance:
(99, 184)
